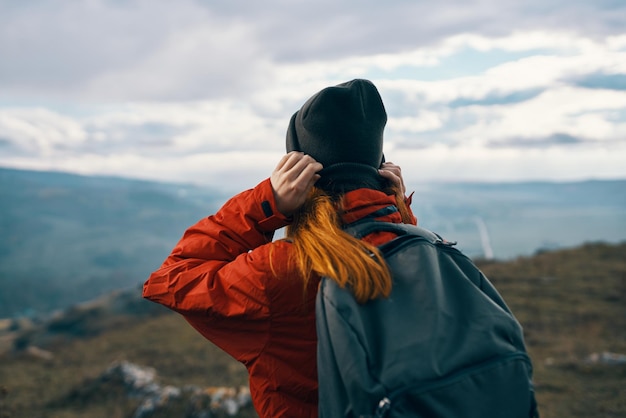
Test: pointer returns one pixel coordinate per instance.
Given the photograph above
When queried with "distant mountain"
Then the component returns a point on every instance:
(508, 220)
(67, 238)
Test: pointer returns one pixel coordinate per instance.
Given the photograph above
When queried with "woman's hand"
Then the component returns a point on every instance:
(393, 173)
(292, 180)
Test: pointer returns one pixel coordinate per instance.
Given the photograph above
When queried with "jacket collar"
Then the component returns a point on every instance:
(360, 203)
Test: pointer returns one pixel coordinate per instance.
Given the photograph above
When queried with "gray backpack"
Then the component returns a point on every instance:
(443, 345)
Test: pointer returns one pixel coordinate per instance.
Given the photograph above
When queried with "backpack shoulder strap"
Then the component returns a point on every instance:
(361, 229)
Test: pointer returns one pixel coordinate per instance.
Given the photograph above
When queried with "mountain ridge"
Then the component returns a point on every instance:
(68, 238)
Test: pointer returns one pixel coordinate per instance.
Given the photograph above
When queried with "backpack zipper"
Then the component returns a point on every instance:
(386, 403)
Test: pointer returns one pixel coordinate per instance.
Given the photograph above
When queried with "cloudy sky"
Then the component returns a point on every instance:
(202, 91)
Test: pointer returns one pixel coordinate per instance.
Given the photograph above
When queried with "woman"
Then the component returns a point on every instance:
(255, 298)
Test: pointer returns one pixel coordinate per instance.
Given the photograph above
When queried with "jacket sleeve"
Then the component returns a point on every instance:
(212, 270)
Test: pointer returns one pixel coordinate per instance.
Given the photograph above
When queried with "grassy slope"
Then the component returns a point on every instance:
(165, 342)
(572, 303)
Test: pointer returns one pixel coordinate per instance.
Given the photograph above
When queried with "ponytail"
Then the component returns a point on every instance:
(321, 247)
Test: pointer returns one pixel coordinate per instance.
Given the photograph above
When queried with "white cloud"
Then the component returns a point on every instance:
(193, 63)
(229, 171)
(144, 50)
(476, 163)
(142, 88)
(565, 110)
(39, 131)
(424, 121)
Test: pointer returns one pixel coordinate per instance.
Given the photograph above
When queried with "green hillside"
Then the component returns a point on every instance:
(572, 304)
(69, 238)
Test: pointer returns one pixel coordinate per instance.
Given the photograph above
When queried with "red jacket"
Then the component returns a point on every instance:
(219, 277)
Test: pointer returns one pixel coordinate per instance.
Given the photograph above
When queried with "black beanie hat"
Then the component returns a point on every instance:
(342, 128)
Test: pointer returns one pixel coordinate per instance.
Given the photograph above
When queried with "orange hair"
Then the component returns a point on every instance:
(321, 247)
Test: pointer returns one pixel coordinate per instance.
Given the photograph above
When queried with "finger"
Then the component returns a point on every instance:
(310, 167)
(306, 177)
(311, 176)
(395, 179)
(391, 167)
(312, 182)
(389, 175)
(283, 165)
(283, 160)
(289, 160)
(303, 166)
